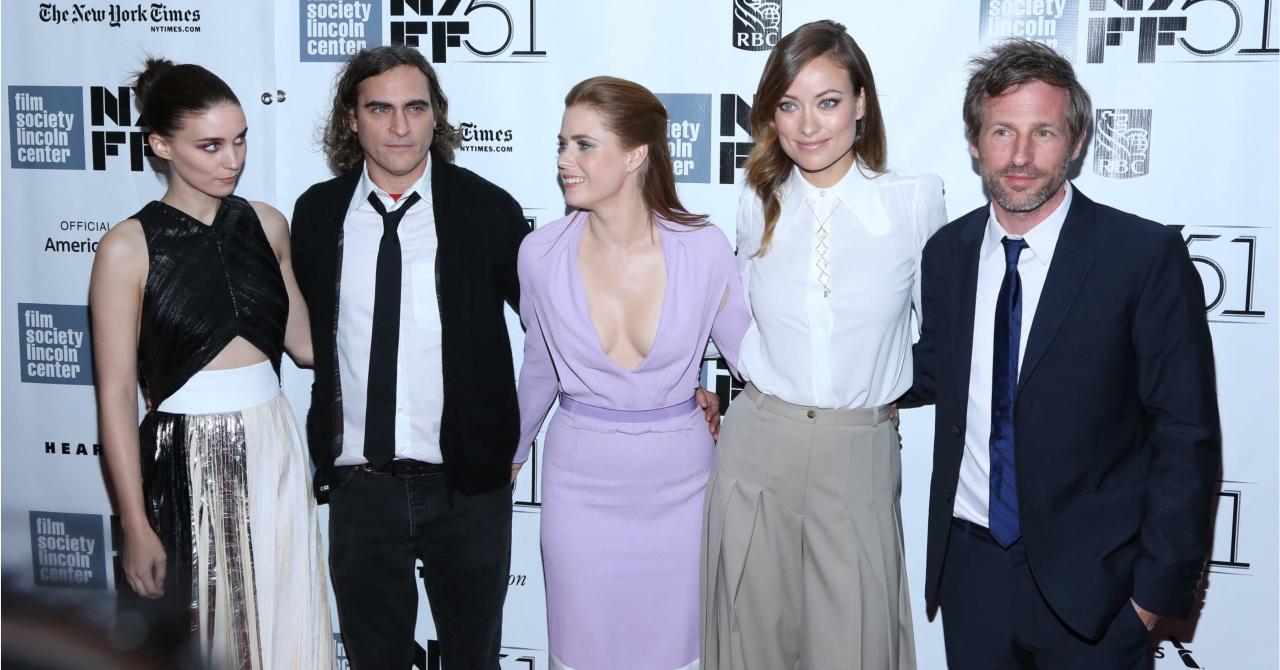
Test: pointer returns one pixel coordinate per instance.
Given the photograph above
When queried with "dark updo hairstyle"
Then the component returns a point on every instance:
(768, 166)
(637, 117)
(167, 94)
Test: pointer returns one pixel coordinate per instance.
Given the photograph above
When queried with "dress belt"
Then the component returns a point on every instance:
(627, 415)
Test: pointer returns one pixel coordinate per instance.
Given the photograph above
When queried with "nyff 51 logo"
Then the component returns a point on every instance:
(1147, 31)
(484, 29)
(1227, 259)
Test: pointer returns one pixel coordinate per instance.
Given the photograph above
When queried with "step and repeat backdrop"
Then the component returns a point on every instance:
(1186, 97)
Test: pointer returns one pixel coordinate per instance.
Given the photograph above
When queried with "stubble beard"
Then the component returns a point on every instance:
(1026, 201)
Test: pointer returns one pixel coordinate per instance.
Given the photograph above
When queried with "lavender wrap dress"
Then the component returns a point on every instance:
(622, 500)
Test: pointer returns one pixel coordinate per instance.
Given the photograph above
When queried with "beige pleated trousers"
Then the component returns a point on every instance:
(802, 551)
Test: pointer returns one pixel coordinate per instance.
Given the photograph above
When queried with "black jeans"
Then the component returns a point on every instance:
(994, 617)
(379, 525)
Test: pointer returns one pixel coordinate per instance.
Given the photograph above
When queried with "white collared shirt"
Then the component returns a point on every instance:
(972, 495)
(851, 348)
(419, 375)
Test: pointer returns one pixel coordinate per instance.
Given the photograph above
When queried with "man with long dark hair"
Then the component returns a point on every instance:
(405, 261)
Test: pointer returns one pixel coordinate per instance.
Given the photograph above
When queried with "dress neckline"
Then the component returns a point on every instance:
(580, 287)
(180, 215)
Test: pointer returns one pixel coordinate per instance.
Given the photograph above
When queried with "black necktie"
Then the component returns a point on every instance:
(384, 342)
(1005, 526)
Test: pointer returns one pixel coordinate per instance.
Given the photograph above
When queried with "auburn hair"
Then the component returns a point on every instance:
(637, 117)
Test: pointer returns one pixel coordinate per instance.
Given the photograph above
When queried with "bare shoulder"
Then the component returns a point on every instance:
(123, 243)
(274, 224)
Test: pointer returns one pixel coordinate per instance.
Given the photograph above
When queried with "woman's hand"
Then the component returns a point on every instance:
(710, 404)
(144, 562)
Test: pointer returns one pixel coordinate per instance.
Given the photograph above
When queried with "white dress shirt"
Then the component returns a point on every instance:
(831, 300)
(419, 372)
(974, 490)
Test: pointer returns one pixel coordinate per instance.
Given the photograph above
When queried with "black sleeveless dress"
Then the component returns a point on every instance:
(227, 491)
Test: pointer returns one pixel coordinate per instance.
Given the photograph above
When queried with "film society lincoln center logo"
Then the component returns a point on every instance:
(1122, 143)
(68, 550)
(46, 127)
(335, 30)
(1050, 22)
(53, 344)
(689, 135)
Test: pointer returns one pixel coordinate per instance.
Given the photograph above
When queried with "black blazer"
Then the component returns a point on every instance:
(1118, 447)
(478, 229)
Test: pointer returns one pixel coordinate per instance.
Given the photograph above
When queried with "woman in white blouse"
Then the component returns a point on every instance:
(804, 560)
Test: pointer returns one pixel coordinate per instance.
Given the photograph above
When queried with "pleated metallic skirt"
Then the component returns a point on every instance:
(226, 484)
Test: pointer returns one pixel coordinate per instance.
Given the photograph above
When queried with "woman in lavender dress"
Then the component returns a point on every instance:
(618, 299)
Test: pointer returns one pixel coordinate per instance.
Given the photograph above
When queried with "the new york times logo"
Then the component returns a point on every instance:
(689, 135)
(335, 30)
(487, 140)
(53, 344)
(485, 30)
(757, 24)
(1122, 143)
(1188, 30)
(159, 16)
(735, 122)
(46, 127)
(67, 550)
(1050, 22)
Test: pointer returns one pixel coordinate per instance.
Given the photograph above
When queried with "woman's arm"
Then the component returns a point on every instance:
(297, 331)
(733, 318)
(538, 384)
(115, 303)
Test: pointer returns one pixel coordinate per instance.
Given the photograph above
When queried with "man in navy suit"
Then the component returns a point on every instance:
(1077, 447)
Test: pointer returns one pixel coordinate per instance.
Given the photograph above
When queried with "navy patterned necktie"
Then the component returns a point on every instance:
(384, 340)
(1003, 502)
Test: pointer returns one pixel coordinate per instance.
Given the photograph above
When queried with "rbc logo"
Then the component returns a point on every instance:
(1122, 143)
(757, 24)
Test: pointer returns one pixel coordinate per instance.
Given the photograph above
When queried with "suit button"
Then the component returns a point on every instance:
(955, 430)
(811, 414)
(946, 497)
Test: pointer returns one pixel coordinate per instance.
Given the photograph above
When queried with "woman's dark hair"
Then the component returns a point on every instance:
(637, 117)
(341, 145)
(768, 166)
(168, 93)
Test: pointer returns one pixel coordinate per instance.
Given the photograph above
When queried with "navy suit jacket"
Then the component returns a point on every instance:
(1117, 440)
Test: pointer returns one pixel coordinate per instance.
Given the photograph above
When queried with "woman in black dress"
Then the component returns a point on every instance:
(194, 297)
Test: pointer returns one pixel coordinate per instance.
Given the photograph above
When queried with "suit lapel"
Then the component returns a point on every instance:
(1072, 259)
(964, 296)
